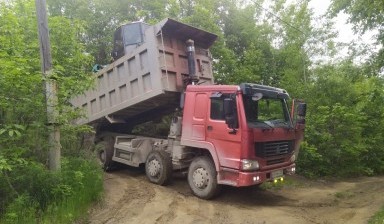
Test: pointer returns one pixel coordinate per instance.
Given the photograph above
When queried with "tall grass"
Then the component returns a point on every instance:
(378, 218)
(61, 197)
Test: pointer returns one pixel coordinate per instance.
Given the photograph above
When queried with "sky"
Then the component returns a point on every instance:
(346, 33)
(345, 30)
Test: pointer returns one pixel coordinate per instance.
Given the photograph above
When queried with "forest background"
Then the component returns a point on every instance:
(279, 43)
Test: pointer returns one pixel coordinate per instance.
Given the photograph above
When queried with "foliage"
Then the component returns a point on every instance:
(274, 44)
(52, 197)
(378, 218)
(365, 16)
(154, 128)
(345, 123)
(368, 16)
(28, 191)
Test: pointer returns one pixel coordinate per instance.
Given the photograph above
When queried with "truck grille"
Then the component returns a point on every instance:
(272, 149)
(274, 161)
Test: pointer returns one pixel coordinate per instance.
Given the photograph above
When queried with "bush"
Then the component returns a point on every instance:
(48, 197)
(345, 126)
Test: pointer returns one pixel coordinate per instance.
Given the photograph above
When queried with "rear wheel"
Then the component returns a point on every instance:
(202, 178)
(105, 154)
(158, 167)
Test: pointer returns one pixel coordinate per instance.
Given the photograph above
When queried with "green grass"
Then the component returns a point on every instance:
(344, 195)
(378, 218)
(62, 197)
(76, 206)
(72, 209)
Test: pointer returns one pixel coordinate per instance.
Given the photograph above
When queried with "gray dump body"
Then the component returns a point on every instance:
(147, 81)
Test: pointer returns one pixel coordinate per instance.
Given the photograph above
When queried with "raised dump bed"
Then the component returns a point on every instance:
(147, 77)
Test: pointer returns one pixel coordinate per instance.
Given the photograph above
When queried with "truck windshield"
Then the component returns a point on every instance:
(266, 112)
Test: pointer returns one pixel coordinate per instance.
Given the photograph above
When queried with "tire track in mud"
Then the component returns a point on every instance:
(169, 215)
(130, 198)
(128, 205)
(351, 201)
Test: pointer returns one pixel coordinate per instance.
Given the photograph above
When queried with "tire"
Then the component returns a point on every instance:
(105, 154)
(158, 167)
(202, 178)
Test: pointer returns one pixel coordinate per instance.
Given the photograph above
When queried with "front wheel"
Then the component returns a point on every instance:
(202, 178)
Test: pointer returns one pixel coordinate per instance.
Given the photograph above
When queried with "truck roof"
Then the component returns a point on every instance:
(245, 88)
(199, 88)
(268, 91)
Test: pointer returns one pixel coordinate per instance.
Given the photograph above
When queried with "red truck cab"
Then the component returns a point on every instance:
(246, 130)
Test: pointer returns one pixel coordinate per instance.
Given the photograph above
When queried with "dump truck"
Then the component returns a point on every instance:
(238, 135)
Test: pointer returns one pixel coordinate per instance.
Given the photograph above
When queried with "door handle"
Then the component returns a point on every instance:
(209, 128)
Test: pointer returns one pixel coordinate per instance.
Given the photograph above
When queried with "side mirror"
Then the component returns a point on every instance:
(230, 113)
(300, 121)
(302, 109)
(299, 111)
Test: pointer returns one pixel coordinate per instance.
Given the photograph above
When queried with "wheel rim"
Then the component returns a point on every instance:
(200, 178)
(154, 168)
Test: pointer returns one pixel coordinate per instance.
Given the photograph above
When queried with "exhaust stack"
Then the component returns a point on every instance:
(192, 79)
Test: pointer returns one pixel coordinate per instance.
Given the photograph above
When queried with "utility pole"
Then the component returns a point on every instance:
(50, 87)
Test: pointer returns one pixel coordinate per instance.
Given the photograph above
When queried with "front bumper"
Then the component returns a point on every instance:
(239, 178)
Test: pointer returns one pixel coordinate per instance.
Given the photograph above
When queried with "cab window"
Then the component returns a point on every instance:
(217, 109)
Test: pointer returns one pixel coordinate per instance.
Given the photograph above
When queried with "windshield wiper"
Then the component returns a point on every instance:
(266, 123)
(279, 121)
(286, 124)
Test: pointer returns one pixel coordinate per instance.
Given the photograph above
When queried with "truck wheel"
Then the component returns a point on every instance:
(158, 167)
(202, 178)
(105, 154)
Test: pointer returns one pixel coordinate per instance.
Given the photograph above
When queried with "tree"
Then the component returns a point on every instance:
(279, 44)
(365, 16)
(27, 189)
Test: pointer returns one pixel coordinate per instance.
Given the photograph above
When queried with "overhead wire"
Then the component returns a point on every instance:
(277, 17)
(287, 23)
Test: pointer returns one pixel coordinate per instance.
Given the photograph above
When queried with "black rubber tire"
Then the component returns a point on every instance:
(105, 154)
(163, 176)
(205, 169)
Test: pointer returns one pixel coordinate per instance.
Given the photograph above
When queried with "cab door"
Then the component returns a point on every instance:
(227, 141)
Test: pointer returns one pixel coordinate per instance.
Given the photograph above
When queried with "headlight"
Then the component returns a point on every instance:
(249, 164)
(293, 158)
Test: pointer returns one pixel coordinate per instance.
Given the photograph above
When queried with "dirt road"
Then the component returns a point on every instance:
(130, 198)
